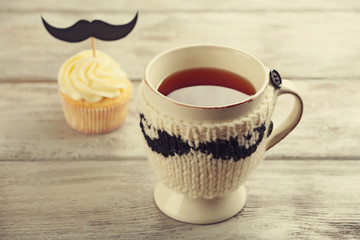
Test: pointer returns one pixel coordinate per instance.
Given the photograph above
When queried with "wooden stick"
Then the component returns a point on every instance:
(93, 46)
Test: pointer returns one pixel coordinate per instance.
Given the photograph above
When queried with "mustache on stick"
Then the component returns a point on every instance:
(84, 29)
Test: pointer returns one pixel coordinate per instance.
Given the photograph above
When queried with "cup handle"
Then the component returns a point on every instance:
(292, 120)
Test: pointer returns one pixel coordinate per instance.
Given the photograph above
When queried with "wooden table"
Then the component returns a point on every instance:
(56, 183)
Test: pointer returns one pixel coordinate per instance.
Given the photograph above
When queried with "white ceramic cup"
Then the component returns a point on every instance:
(198, 210)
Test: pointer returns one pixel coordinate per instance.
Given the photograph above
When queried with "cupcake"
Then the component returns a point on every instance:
(95, 92)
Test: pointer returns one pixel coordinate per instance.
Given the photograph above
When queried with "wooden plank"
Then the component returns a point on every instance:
(113, 199)
(298, 44)
(32, 126)
(35, 128)
(163, 5)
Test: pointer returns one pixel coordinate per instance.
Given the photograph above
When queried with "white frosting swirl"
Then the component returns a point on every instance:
(83, 76)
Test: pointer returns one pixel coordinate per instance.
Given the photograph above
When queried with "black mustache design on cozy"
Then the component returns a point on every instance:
(169, 145)
(84, 29)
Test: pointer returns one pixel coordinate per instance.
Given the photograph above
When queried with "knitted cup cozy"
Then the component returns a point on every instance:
(205, 159)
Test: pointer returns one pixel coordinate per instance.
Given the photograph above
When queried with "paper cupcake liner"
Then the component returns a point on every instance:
(95, 120)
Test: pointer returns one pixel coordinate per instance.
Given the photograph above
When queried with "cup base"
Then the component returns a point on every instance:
(184, 208)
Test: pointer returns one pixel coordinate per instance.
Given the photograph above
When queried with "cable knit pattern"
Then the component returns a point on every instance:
(205, 159)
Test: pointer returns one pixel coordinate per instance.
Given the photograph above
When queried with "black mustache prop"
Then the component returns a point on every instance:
(84, 29)
(169, 145)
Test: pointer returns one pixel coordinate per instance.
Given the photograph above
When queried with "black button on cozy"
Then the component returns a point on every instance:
(275, 78)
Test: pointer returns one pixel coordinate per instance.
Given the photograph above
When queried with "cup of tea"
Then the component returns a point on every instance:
(205, 115)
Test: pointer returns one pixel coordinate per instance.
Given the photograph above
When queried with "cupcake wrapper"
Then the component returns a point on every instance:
(94, 120)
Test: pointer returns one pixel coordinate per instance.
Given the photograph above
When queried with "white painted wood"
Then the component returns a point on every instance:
(56, 183)
(32, 126)
(164, 5)
(298, 44)
(114, 200)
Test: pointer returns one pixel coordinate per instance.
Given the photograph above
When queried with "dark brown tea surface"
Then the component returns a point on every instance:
(206, 87)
